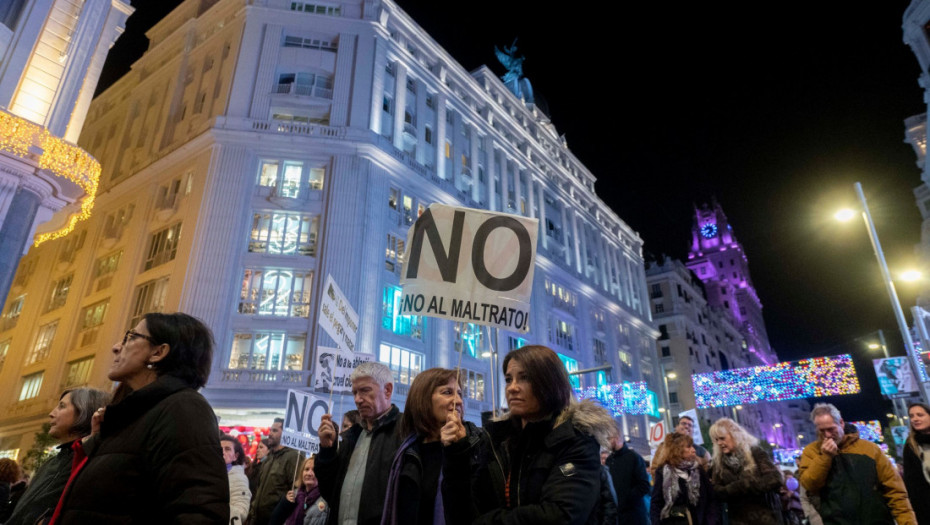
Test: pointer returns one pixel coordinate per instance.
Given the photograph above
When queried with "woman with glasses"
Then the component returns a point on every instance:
(157, 456)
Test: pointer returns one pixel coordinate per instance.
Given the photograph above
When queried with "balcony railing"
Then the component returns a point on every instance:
(266, 377)
(305, 90)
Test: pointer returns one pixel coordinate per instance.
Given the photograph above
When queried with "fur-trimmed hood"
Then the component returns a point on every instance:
(588, 417)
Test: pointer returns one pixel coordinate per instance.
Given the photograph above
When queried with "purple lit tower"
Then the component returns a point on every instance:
(719, 260)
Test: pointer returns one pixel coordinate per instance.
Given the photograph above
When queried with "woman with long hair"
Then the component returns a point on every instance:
(302, 505)
(413, 495)
(745, 478)
(157, 457)
(540, 462)
(681, 492)
(917, 461)
(240, 496)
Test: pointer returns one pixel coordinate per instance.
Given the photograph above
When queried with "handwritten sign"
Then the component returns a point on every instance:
(337, 317)
(334, 366)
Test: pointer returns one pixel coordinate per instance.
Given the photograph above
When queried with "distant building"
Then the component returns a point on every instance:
(51, 53)
(710, 318)
(258, 147)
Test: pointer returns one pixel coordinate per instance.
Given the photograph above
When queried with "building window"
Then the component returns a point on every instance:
(31, 386)
(317, 8)
(43, 343)
(561, 333)
(4, 349)
(163, 246)
(600, 352)
(309, 43)
(92, 318)
(514, 343)
(409, 325)
(60, 289)
(264, 351)
(666, 352)
(474, 385)
(149, 297)
(394, 253)
(405, 364)
(660, 308)
(561, 296)
(467, 338)
(657, 291)
(104, 269)
(673, 397)
(72, 246)
(78, 373)
(284, 233)
(12, 313)
(571, 365)
(283, 293)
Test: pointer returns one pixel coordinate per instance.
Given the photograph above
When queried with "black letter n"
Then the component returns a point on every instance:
(448, 262)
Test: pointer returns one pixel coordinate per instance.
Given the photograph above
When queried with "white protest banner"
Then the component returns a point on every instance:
(696, 431)
(302, 420)
(337, 317)
(472, 266)
(334, 368)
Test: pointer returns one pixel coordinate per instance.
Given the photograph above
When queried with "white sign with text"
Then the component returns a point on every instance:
(337, 317)
(333, 368)
(302, 421)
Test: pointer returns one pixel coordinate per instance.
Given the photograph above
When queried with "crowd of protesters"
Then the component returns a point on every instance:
(151, 453)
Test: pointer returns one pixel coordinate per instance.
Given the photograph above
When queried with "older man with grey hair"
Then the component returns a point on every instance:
(855, 481)
(354, 479)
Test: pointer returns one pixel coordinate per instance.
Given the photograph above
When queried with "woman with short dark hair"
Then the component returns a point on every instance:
(540, 463)
(69, 421)
(157, 457)
(239, 494)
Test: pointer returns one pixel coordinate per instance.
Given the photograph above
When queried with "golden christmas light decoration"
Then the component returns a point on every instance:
(17, 134)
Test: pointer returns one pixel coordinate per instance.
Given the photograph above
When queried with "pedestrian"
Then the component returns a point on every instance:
(254, 471)
(69, 421)
(856, 482)
(540, 462)
(277, 475)
(10, 474)
(744, 477)
(157, 457)
(917, 461)
(413, 495)
(348, 419)
(239, 494)
(630, 480)
(303, 505)
(681, 493)
(685, 426)
(354, 479)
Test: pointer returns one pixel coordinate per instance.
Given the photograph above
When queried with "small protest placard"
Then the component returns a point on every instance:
(337, 317)
(302, 420)
(334, 366)
(471, 266)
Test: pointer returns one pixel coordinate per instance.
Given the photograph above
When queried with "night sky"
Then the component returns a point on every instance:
(774, 112)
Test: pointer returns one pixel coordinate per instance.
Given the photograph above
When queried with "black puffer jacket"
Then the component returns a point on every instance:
(751, 494)
(553, 465)
(157, 459)
(330, 468)
(918, 489)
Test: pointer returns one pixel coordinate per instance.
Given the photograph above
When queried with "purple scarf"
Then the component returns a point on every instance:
(303, 500)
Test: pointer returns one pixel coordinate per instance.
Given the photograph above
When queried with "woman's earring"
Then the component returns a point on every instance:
(149, 366)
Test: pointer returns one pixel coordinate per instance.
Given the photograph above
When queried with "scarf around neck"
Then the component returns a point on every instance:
(304, 499)
(686, 470)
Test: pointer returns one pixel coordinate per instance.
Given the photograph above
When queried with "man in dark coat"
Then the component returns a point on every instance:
(354, 480)
(628, 471)
(276, 477)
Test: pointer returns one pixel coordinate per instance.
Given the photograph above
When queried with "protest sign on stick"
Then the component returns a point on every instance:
(302, 421)
(471, 266)
(337, 317)
(334, 366)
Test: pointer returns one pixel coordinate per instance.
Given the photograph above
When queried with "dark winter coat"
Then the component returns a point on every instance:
(628, 472)
(276, 478)
(705, 512)
(752, 496)
(918, 490)
(331, 467)
(157, 459)
(857, 486)
(43, 492)
(553, 465)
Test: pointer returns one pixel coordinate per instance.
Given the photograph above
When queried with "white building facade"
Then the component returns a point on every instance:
(259, 146)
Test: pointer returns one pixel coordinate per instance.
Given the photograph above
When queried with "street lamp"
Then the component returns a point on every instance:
(889, 285)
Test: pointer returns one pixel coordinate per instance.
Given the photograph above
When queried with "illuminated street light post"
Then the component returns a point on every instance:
(889, 286)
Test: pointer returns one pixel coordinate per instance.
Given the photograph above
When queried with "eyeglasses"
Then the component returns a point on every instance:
(130, 335)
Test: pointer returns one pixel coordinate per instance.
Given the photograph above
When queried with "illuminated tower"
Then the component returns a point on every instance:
(51, 54)
(718, 259)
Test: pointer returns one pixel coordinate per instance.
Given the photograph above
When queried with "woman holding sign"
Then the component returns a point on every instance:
(538, 464)
(413, 495)
(157, 456)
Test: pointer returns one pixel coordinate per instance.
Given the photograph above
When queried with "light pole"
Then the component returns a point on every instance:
(889, 286)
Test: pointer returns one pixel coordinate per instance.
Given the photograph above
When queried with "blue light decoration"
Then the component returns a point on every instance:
(623, 398)
(869, 430)
(816, 377)
(786, 456)
(709, 230)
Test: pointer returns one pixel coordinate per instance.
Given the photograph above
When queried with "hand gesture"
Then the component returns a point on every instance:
(96, 420)
(829, 447)
(453, 430)
(291, 496)
(327, 431)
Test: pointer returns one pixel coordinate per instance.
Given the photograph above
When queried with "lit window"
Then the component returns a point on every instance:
(78, 373)
(149, 297)
(43, 343)
(264, 351)
(104, 269)
(561, 334)
(405, 364)
(515, 343)
(60, 289)
(394, 253)
(12, 313)
(474, 385)
(283, 293)
(467, 338)
(92, 318)
(287, 178)
(31, 386)
(409, 325)
(4, 349)
(163, 246)
(571, 365)
(284, 233)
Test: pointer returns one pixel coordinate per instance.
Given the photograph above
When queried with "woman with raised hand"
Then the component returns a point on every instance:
(681, 492)
(540, 463)
(745, 478)
(157, 457)
(303, 505)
